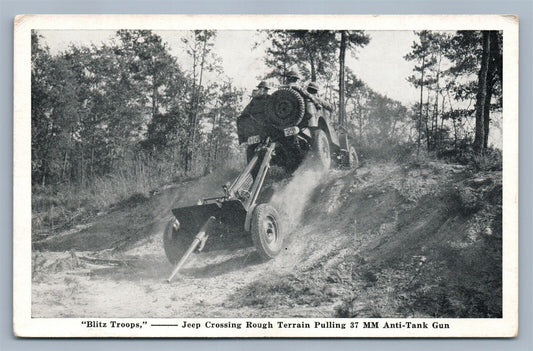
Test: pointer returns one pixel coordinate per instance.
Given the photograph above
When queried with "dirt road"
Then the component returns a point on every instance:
(371, 244)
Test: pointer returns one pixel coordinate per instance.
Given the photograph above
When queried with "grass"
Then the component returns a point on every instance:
(134, 180)
(489, 160)
(443, 260)
(429, 245)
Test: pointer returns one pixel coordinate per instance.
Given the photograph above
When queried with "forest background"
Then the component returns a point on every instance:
(128, 115)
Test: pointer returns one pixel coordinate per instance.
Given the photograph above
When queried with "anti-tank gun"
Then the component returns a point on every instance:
(281, 128)
(242, 208)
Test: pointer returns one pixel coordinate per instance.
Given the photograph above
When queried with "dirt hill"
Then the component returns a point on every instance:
(419, 239)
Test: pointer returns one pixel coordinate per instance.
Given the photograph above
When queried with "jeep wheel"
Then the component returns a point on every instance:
(353, 160)
(267, 234)
(321, 150)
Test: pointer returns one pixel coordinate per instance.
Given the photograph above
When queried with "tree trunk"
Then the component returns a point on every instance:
(313, 70)
(482, 95)
(342, 55)
(154, 90)
(92, 161)
(494, 72)
(64, 168)
(486, 119)
(188, 146)
(359, 116)
(196, 104)
(210, 152)
(442, 136)
(154, 101)
(310, 55)
(454, 120)
(45, 156)
(496, 56)
(428, 139)
(435, 131)
(43, 174)
(419, 127)
(82, 175)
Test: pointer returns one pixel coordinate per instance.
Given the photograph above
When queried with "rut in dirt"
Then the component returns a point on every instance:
(390, 240)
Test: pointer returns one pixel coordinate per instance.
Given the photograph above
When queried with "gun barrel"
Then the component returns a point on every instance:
(197, 240)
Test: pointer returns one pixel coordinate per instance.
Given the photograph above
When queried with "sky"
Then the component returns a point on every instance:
(379, 64)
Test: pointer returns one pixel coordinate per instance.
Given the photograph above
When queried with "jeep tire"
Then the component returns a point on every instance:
(321, 149)
(353, 160)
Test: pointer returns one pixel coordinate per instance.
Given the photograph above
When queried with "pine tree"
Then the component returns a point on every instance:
(477, 63)
(349, 40)
(421, 53)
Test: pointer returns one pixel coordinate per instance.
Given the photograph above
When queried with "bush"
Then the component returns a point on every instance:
(60, 205)
(133, 179)
(489, 160)
(390, 151)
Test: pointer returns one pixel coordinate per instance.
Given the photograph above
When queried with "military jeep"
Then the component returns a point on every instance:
(299, 123)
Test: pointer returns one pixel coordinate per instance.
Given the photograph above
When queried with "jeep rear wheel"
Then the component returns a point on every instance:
(321, 150)
(267, 234)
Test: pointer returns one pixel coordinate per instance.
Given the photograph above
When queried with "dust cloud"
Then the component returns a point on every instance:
(292, 196)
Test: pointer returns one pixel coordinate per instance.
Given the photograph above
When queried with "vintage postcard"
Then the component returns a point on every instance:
(265, 176)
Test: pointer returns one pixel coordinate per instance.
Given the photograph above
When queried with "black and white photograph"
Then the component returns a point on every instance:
(278, 176)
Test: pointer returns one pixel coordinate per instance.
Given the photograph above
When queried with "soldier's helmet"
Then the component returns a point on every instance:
(293, 74)
(263, 85)
(312, 88)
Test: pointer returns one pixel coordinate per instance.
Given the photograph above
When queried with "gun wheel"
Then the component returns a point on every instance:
(267, 234)
(176, 240)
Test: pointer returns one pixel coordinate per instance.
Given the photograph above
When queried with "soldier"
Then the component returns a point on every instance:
(292, 77)
(312, 88)
(257, 106)
(262, 88)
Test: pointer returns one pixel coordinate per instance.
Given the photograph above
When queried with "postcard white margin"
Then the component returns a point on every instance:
(26, 326)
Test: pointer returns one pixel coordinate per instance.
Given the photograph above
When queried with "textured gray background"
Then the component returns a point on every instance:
(10, 8)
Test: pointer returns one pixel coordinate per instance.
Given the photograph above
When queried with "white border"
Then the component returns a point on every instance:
(24, 325)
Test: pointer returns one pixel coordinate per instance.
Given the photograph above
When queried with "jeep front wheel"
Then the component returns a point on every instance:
(321, 150)
(353, 160)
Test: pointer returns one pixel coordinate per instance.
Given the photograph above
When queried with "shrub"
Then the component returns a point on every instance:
(390, 151)
(132, 179)
(489, 160)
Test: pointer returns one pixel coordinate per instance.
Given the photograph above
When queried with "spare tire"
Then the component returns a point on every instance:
(285, 108)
